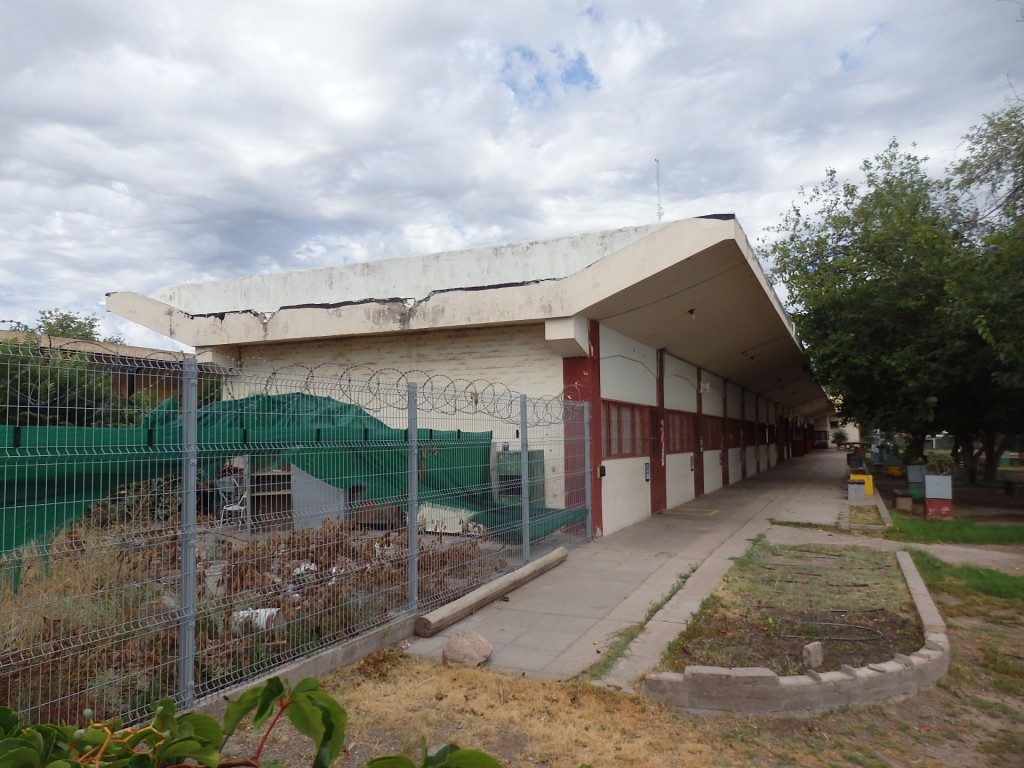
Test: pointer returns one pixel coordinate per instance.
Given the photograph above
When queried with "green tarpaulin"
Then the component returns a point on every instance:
(51, 475)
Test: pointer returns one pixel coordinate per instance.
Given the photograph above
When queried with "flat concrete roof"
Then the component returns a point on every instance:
(692, 287)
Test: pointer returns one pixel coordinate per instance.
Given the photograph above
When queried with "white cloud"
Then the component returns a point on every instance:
(162, 142)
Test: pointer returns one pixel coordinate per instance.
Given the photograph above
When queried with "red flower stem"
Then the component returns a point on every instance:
(266, 733)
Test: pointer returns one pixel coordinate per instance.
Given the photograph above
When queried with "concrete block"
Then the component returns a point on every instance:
(830, 678)
(751, 677)
(907, 661)
(668, 687)
(887, 667)
(813, 654)
(705, 672)
(865, 674)
(935, 641)
(793, 682)
(847, 670)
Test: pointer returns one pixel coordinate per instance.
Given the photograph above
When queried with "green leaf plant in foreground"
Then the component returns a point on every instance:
(450, 756)
(171, 740)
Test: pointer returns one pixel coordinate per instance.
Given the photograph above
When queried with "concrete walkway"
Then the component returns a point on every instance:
(559, 624)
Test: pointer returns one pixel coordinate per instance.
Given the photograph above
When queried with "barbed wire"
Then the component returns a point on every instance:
(373, 389)
(376, 389)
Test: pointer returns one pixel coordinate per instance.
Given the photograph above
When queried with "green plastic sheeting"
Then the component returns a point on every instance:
(52, 474)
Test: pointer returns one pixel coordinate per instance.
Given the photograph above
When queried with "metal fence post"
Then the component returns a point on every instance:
(524, 477)
(189, 459)
(412, 503)
(588, 470)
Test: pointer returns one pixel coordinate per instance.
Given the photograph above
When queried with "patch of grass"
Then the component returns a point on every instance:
(860, 532)
(776, 598)
(955, 531)
(1007, 670)
(967, 580)
(864, 514)
(1005, 745)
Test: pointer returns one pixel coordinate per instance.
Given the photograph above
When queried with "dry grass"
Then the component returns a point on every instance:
(91, 621)
(394, 701)
(79, 623)
(972, 719)
(865, 514)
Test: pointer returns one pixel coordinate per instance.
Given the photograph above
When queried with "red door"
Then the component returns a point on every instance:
(698, 457)
(659, 492)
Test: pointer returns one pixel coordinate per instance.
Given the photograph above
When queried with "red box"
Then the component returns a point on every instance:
(941, 509)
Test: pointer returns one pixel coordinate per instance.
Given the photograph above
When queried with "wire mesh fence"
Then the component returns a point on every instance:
(175, 529)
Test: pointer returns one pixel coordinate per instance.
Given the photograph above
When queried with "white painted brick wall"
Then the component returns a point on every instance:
(734, 395)
(752, 460)
(626, 496)
(712, 471)
(735, 467)
(679, 479)
(680, 385)
(629, 369)
(517, 357)
(711, 402)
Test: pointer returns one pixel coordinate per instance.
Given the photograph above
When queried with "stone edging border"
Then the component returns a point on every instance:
(756, 690)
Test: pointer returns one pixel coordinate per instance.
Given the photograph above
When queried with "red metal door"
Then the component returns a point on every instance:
(659, 491)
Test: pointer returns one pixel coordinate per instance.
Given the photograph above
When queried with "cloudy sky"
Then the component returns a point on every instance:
(153, 142)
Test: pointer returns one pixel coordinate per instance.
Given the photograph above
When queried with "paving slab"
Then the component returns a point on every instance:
(559, 625)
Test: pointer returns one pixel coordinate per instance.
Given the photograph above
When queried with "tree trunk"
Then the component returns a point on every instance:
(993, 451)
(914, 451)
(963, 452)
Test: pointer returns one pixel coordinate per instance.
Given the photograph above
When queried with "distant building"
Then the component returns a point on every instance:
(670, 331)
(131, 369)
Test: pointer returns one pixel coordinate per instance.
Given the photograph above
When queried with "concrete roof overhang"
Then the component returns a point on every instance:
(715, 309)
(691, 287)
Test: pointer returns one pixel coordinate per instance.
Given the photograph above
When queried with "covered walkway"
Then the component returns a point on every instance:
(559, 624)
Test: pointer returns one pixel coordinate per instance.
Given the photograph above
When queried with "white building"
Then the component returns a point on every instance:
(670, 331)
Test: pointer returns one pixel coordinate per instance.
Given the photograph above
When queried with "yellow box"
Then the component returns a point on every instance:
(869, 483)
(894, 471)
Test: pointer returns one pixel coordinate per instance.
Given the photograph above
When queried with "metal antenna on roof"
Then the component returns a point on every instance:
(657, 177)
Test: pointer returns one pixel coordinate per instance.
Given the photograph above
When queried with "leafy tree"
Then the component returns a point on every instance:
(54, 388)
(57, 387)
(991, 291)
(865, 270)
(988, 292)
(907, 290)
(68, 325)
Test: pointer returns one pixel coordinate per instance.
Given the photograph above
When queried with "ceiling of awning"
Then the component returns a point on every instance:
(712, 310)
